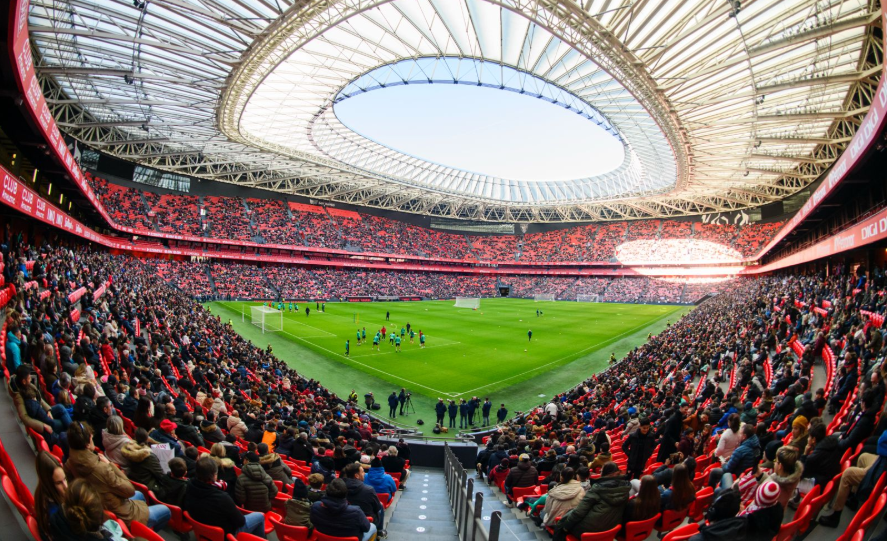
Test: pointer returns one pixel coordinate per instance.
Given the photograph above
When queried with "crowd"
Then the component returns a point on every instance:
(298, 224)
(718, 417)
(143, 405)
(247, 281)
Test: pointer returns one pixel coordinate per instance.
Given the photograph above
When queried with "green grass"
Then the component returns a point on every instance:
(482, 352)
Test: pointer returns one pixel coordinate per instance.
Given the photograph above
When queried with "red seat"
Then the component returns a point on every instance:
(703, 499)
(323, 537)
(268, 516)
(205, 532)
(609, 535)
(285, 532)
(177, 520)
(815, 506)
(385, 498)
(34, 528)
(140, 530)
(243, 536)
(12, 495)
(683, 533)
(519, 493)
(671, 520)
(788, 531)
(639, 529)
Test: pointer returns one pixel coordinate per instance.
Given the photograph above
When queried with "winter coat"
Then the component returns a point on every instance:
(638, 447)
(144, 468)
(522, 475)
(110, 483)
(561, 499)
(381, 482)
(787, 484)
(13, 352)
(161, 436)
(190, 434)
(255, 489)
(114, 448)
(210, 505)
(333, 516)
(175, 491)
(824, 462)
(393, 464)
(363, 496)
(601, 508)
(276, 468)
(764, 524)
(227, 473)
(210, 432)
(732, 528)
(745, 456)
(236, 426)
(298, 513)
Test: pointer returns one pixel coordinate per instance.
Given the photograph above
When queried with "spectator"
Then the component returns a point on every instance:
(681, 493)
(787, 472)
(255, 489)
(359, 494)
(50, 492)
(730, 439)
(275, 467)
(144, 466)
(746, 454)
(114, 439)
(208, 504)
(822, 460)
(315, 487)
(298, 508)
(602, 507)
(176, 483)
(563, 497)
(333, 515)
(868, 468)
(639, 447)
(381, 482)
(647, 504)
(764, 514)
(522, 475)
(81, 517)
(395, 464)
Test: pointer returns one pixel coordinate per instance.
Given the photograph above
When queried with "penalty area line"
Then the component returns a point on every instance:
(373, 368)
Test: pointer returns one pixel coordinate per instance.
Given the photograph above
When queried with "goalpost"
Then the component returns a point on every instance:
(543, 297)
(268, 319)
(588, 298)
(467, 302)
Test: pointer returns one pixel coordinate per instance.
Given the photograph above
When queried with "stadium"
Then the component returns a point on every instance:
(455, 270)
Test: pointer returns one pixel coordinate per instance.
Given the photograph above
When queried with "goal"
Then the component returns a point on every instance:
(467, 302)
(588, 298)
(543, 297)
(268, 319)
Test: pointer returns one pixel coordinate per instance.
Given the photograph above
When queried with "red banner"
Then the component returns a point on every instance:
(870, 230)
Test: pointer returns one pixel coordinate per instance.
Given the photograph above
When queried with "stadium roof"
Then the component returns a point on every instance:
(719, 105)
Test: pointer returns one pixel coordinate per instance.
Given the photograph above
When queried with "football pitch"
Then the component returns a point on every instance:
(483, 352)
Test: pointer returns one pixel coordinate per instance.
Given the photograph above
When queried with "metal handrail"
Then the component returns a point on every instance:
(467, 511)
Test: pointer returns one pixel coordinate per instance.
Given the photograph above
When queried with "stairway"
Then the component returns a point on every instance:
(515, 525)
(422, 511)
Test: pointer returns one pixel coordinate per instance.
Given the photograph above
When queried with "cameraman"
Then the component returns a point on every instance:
(402, 398)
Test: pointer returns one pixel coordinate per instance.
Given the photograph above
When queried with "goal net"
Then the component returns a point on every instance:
(267, 319)
(543, 297)
(588, 298)
(467, 302)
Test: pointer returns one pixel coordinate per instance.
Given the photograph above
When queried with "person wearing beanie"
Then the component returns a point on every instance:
(166, 433)
(376, 477)
(298, 508)
(764, 514)
(799, 432)
(522, 475)
(254, 489)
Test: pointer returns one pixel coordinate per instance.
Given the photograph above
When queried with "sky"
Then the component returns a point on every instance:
(483, 130)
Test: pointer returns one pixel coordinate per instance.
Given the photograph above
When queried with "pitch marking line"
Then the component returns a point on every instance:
(396, 378)
(313, 328)
(414, 350)
(581, 351)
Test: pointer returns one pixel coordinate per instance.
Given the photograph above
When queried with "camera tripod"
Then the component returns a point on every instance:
(408, 405)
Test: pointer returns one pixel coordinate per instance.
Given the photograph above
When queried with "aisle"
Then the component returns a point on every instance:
(422, 512)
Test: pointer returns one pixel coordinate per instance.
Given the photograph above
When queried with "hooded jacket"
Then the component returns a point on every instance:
(600, 510)
(381, 482)
(333, 516)
(13, 352)
(110, 483)
(210, 432)
(276, 468)
(114, 448)
(210, 505)
(144, 468)
(255, 489)
(236, 426)
(787, 484)
(562, 499)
